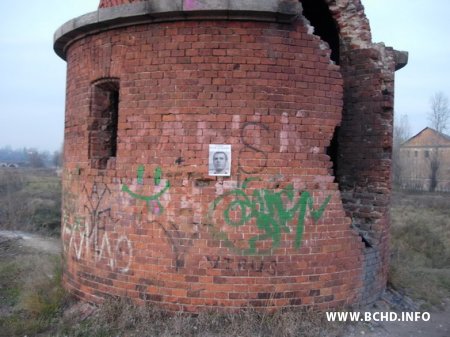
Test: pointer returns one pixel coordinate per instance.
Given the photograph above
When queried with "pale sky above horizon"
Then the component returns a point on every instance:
(32, 92)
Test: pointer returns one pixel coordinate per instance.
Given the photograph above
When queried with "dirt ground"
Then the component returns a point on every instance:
(38, 242)
(437, 326)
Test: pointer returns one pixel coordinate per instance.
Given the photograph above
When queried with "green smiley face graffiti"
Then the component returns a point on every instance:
(152, 201)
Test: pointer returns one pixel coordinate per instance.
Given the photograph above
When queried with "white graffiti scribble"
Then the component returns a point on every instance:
(86, 236)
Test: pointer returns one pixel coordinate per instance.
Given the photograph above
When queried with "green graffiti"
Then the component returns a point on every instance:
(270, 214)
(157, 176)
(152, 201)
(140, 174)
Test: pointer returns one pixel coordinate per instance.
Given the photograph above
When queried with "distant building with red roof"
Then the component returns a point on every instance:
(425, 161)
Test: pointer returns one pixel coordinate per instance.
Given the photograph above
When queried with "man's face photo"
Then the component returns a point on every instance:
(220, 161)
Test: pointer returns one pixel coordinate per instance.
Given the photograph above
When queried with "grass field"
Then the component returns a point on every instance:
(420, 246)
(30, 200)
(31, 296)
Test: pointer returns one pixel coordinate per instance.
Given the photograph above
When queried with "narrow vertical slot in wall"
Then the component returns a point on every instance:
(103, 124)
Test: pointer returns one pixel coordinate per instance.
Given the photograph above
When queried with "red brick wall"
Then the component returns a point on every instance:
(364, 156)
(153, 225)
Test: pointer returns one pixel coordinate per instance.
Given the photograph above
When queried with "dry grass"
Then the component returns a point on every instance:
(420, 263)
(31, 296)
(119, 317)
(30, 200)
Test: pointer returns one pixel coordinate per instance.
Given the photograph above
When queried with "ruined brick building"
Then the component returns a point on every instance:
(302, 101)
(424, 162)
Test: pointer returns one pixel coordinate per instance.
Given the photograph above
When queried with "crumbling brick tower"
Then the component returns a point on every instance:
(297, 99)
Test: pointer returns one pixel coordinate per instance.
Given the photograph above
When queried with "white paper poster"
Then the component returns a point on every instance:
(219, 160)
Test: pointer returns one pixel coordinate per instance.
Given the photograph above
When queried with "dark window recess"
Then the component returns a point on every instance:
(318, 14)
(104, 116)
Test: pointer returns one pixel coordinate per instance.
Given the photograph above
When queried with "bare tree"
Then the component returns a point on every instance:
(57, 159)
(439, 117)
(402, 132)
(35, 159)
(440, 113)
(435, 163)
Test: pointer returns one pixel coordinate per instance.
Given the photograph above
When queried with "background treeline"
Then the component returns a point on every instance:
(29, 157)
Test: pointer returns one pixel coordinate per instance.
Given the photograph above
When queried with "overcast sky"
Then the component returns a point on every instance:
(32, 90)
